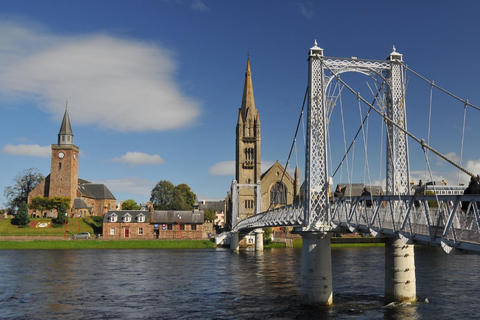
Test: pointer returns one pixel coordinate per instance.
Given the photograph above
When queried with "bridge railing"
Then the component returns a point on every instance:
(430, 219)
(291, 215)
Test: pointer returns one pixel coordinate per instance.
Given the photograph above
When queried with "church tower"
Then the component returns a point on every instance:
(247, 155)
(64, 165)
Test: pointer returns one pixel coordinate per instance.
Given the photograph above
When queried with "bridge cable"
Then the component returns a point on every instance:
(420, 141)
(463, 138)
(358, 132)
(429, 127)
(294, 139)
(440, 88)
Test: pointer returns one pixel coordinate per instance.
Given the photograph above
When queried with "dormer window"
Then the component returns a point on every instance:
(112, 218)
(127, 217)
(141, 217)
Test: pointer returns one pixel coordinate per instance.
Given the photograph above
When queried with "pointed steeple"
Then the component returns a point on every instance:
(248, 101)
(65, 135)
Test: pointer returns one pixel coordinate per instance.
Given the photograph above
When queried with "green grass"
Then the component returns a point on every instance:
(107, 244)
(74, 226)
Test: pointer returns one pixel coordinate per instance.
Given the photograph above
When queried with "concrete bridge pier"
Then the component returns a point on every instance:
(258, 239)
(316, 282)
(400, 281)
(234, 241)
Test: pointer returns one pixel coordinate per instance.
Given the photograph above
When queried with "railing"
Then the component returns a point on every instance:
(434, 220)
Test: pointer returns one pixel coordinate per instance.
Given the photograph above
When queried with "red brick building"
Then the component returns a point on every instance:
(86, 198)
(143, 224)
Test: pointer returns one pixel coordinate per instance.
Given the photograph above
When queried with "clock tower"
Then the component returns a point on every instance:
(64, 166)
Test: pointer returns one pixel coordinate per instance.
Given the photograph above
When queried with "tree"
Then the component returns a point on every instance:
(165, 196)
(22, 217)
(209, 215)
(61, 217)
(187, 195)
(162, 195)
(24, 183)
(130, 204)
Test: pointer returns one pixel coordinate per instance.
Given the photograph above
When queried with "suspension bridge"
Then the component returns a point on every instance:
(398, 215)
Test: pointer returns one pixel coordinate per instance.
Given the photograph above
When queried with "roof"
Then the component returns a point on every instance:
(215, 205)
(95, 191)
(133, 213)
(175, 216)
(79, 204)
(65, 128)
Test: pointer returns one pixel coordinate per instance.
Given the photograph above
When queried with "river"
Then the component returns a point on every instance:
(219, 284)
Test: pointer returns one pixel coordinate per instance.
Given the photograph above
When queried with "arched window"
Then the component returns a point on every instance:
(127, 217)
(112, 218)
(277, 194)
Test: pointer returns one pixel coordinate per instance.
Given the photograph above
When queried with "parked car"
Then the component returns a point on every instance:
(82, 235)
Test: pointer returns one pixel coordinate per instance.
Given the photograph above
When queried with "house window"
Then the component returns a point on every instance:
(127, 218)
(140, 231)
(169, 227)
(182, 227)
(112, 218)
(141, 217)
(112, 231)
(194, 227)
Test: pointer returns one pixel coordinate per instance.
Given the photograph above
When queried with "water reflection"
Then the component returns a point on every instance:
(207, 284)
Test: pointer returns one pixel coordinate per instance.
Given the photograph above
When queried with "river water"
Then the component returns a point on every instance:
(218, 284)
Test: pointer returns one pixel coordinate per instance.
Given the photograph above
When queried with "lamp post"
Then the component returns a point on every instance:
(65, 225)
(78, 216)
(179, 226)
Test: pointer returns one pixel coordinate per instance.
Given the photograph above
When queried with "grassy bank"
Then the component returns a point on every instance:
(107, 244)
(74, 226)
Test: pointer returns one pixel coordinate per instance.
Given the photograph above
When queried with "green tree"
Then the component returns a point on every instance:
(24, 183)
(165, 196)
(209, 215)
(187, 195)
(22, 217)
(130, 204)
(61, 218)
(267, 236)
(162, 195)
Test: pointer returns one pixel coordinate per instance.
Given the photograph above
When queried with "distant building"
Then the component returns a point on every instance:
(278, 188)
(86, 198)
(153, 224)
(437, 187)
(219, 208)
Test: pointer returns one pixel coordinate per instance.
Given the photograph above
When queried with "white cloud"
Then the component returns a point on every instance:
(225, 168)
(115, 83)
(139, 158)
(33, 150)
(306, 12)
(199, 5)
(130, 186)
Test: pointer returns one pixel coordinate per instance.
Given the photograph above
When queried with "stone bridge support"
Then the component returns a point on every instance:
(258, 239)
(316, 282)
(400, 281)
(234, 241)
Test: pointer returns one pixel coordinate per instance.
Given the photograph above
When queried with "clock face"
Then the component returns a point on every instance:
(61, 155)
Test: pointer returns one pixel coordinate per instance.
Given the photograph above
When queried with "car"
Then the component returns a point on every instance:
(82, 235)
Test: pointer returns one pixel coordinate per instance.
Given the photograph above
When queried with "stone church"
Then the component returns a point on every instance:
(86, 198)
(278, 188)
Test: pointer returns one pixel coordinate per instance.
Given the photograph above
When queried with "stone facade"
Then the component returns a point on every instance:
(278, 188)
(86, 198)
(129, 224)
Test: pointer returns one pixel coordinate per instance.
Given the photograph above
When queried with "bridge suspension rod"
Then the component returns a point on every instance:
(440, 88)
(387, 119)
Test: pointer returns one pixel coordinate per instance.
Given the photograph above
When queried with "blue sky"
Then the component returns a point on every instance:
(153, 87)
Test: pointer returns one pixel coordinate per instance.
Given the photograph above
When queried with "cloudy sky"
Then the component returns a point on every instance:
(153, 87)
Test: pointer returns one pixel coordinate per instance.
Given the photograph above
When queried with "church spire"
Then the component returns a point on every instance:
(248, 101)
(65, 135)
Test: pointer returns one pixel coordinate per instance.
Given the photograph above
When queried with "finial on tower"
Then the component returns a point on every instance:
(315, 50)
(395, 55)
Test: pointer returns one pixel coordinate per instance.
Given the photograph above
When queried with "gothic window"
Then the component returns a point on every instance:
(59, 166)
(277, 194)
(249, 157)
(249, 204)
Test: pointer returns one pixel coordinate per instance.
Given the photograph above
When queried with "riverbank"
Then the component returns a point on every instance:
(105, 244)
